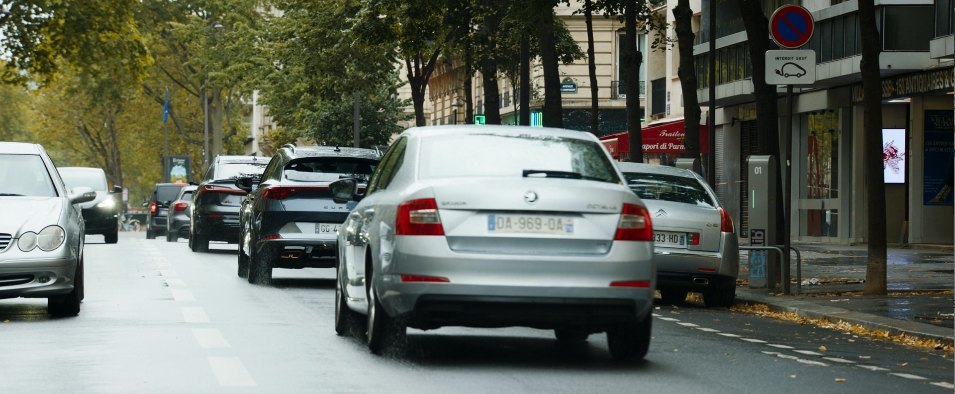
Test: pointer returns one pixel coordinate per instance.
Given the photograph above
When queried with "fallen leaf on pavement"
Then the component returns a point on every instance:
(904, 364)
(865, 357)
(822, 348)
(840, 380)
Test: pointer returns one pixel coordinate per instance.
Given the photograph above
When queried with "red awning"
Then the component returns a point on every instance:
(666, 137)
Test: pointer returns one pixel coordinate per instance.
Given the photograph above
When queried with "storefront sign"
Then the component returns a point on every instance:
(937, 185)
(664, 138)
(911, 84)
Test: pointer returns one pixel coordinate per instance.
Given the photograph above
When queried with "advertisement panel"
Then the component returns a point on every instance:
(893, 155)
(939, 147)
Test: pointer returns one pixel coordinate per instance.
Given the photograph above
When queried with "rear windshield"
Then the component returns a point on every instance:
(235, 170)
(25, 175)
(507, 155)
(668, 188)
(186, 196)
(329, 169)
(89, 178)
(167, 193)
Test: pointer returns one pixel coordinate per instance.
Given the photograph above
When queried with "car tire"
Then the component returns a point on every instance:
(68, 304)
(345, 318)
(260, 266)
(243, 263)
(150, 234)
(382, 331)
(172, 236)
(200, 243)
(571, 335)
(112, 236)
(673, 296)
(720, 297)
(630, 341)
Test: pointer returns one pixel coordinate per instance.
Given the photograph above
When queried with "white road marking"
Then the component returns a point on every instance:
(946, 385)
(704, 329)
(194, 314)
(797, 359)
(753, 340)
(687, 324)
(779, 346)
(872, 368)
(169, 273)
(728, 335)
(808, 352)
(210, 338)
(230, 372)
(907, 376)
(839, 360)
(655, 314)
(175, 282)
(812, 362)
(668, 319)
(182, 295)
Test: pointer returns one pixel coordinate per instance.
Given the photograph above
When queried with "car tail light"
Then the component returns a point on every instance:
(630, 283)
(635, 224)
(726, 222)
(180, 206)
(694, 239)
(418, 217)
(214, 215)
(271, 237)
(153, 208)
(423, 278)
(283, 192)
(223, 190)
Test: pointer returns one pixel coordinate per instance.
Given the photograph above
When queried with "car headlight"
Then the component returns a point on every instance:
(107, 203)
(27, 241)
(50, 238)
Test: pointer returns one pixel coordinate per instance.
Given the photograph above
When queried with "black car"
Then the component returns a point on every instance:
(163, 196)
(102, 214)
(215, 205)
(290, 219)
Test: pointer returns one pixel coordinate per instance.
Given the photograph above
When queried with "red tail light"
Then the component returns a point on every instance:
(223, 189)
(153, 209)
(180, 206)
(726, 222)
(271, 237)
(694, 239)
(283, 192)
(630, 283)
(418, 217)
(424, 278)
(635, 224)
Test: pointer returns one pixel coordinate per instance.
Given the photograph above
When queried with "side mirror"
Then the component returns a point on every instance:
(117, 189)
(81, 194)
(344, 190)
(245, 183)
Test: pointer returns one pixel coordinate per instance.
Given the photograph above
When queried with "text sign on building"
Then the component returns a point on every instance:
(791, 26)
(568, 86)
(791, 67)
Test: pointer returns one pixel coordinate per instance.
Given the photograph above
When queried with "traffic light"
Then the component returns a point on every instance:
(479, 119)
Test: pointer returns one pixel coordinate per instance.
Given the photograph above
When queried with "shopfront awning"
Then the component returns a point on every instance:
(665, 137)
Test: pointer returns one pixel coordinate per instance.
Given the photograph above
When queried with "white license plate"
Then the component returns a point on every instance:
(327, 228)
(669, 239)
(231, 200)
(530, 224)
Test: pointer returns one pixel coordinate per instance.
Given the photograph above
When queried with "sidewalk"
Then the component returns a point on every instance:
(920, 284)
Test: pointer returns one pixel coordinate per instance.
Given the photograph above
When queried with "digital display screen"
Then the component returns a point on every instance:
(893, 155)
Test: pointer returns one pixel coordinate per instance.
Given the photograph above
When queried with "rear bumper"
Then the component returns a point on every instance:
(724, 262)
(21, 278)
(98, 221)
(303, 253)
(225, 228)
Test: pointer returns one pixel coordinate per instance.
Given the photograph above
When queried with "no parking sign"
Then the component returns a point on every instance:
(791, 26)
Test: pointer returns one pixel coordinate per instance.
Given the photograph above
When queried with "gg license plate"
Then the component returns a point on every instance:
(327, 228)
(669, 239)
(530, 224)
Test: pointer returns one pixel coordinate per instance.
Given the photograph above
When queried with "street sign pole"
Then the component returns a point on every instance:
(787, 189)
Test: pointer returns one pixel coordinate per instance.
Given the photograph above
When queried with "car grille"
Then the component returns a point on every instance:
(4, 241)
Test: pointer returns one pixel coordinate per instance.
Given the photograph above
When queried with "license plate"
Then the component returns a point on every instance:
(530, 224)
(231, 200)
(327, 228)
(669, 239)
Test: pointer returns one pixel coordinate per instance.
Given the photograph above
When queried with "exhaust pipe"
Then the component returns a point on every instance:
(701, 281)
(291, 254)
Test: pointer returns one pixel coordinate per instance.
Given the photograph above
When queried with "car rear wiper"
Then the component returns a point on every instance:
(10, 194)
(554, 174)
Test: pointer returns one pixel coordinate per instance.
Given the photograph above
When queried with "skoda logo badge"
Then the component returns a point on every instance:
(530, 197)
(661, 213)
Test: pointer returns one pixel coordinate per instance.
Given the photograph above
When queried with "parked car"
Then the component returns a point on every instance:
(163, 196)
(215, 205)
(695, 242)
(491, 226)
(41, 230)
(178, 223)
(290, 220)
(102, 214)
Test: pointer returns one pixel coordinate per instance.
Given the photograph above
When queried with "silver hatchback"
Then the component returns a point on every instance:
(696, 244)
(490, 226)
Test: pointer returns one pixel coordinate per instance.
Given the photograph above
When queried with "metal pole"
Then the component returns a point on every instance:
(711, 114)
(205, 128)
(165, 151)
(787, 187)
(356, 119)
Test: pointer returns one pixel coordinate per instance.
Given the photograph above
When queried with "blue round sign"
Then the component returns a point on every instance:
(791, 26)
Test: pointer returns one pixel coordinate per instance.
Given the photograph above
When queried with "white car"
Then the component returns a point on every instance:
(491, 226)
(41, 230)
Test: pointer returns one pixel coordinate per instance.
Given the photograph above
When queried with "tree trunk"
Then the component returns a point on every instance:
(553, 111)
(418, 76)
(875, 273)
(216, 134)
(525, 89)
(591, 57)
(115, 170)
(683, 15)
(468, 83)
(632, 58)
(767, 116)
(488, 37)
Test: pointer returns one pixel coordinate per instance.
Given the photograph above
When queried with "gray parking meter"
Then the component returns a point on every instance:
(763, 265)
(689, 164)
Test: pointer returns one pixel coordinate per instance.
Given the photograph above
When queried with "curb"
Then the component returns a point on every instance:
(815, 311)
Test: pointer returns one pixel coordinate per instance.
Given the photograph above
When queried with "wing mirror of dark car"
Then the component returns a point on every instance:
(117, 189)
(81, 194)
(246, 183)
(344, 190)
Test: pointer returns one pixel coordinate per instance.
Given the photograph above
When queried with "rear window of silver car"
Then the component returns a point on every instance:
(24, 175)
(668, 188)
(508, 155)
(92, 179)
(329, 169)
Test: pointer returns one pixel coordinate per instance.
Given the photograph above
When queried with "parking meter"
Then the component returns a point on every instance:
(764, 268)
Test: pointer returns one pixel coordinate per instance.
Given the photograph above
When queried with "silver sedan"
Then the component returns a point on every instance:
(41, 230)
(490, 226)
(696, 244)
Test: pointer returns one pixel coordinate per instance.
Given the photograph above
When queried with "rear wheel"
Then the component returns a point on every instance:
(68, 304)
(260, 266)
(243, 270)
(200, 243)
(150, 234)
(172, 236)
(672, 296)
(345, 319)
(112, 236)
(630, 341)
(720, 297)
(383, 331)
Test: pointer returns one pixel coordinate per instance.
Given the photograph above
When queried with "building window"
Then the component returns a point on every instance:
(943, 18)
(904, 28)
(658, 96)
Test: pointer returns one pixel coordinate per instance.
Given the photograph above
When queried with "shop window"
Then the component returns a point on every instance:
(905, 28)
(838, 39)
(820, 218)
(943, 18)
(658, 96)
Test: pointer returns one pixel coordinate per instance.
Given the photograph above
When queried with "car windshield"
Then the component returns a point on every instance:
(25, 175)
(668, 188)
(167, 193)
(89, 178)
(328, 169)
(505, 155)
(235, 170)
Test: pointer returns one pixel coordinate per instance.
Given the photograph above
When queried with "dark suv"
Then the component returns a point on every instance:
(215, 205)
(163, 195)
(102, 214)
(290, 219)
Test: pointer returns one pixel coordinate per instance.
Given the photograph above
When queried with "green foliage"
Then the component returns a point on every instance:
(14, 115)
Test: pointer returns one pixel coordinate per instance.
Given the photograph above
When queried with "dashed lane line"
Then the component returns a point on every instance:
(182, 295)
(797, 359)
(753, 340)
(704, 329)
(194, 314)
(231, 372)
(946, 385)
(210, 338)
(778, 346)
(685, 324)
(839, 360)
(807, 352)
(728, 335)
(873, 368)
(907, 376)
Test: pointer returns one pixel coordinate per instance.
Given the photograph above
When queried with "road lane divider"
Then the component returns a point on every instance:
(210, 338)
(230, 372)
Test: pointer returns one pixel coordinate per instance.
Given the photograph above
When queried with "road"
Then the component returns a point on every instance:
(159, 318)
